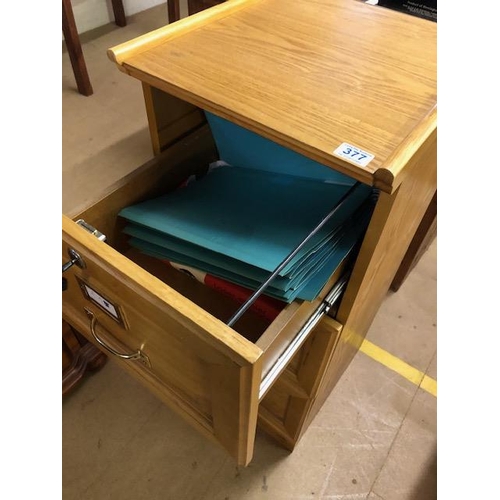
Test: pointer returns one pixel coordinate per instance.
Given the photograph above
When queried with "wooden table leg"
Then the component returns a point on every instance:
(119, 13)
(75, 49)
(78, 358)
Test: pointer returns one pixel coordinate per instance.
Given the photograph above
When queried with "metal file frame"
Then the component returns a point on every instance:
(324, 307)
(255, 295)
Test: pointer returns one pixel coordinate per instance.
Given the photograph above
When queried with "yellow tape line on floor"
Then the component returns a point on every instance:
(404, 369)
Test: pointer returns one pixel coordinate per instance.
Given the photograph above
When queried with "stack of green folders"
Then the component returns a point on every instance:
(239, 224)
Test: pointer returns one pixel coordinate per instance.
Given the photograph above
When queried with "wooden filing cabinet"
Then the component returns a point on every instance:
(310, 76)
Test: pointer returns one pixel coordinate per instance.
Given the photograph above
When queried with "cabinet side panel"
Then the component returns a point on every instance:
(169, 118)
(425, 235)
(394, 223)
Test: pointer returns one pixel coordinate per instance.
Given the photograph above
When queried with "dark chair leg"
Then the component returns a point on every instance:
(195, 6)
(119, 13)
(75, 49)
(174, 12)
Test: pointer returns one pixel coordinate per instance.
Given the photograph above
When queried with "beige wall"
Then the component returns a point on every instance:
(90, 14)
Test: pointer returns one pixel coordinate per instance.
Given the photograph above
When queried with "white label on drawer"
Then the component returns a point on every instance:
(110, 308)
(354, 154)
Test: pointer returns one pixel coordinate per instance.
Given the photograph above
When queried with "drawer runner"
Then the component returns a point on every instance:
(324, 308)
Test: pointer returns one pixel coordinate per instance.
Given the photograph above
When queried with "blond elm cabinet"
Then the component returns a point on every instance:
(309, 76)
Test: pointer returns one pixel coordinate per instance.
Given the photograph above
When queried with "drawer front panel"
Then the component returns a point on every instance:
(191, 356)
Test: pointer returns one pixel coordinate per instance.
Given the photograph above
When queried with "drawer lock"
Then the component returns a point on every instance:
(75, 259)
(75, 256)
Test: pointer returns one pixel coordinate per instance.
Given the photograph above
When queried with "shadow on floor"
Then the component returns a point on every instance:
(427, 486)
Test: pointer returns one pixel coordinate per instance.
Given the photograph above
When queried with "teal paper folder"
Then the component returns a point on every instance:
(252, 216)
(243, 148)
(192, 255)
(308, 289)
(242, 219)
(306, 286)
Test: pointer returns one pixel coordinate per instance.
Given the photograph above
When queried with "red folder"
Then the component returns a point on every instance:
(267, 307)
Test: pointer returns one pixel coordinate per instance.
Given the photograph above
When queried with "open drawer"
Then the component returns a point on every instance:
(169, 330)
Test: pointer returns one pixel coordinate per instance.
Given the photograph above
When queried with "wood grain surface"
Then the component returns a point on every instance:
(310, 75)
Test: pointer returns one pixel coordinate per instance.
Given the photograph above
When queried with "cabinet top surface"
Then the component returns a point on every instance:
(310, 75)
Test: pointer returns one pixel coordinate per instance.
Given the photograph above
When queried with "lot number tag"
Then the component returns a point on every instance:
(354, 154)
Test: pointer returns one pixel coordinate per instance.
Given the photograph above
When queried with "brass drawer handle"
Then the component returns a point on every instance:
(136, 355)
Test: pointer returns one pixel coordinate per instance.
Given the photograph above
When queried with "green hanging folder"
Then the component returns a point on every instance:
(252, 216)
